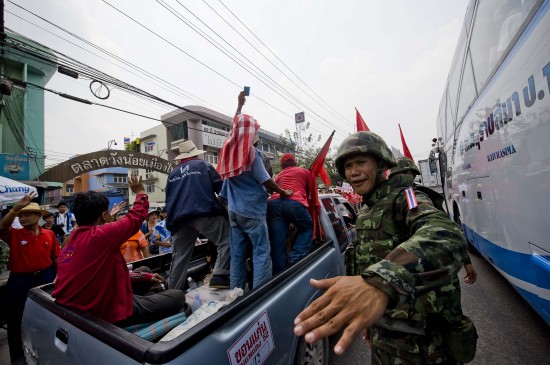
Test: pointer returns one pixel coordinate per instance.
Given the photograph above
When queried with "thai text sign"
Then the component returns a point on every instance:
(255, 345)
(14, 166)
(105, 159)
(213, 137)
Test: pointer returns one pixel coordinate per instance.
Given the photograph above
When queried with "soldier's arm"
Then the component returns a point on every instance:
(430, 258)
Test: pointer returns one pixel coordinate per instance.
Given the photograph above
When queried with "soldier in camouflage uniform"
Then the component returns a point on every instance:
(404, 267)
(407, 166)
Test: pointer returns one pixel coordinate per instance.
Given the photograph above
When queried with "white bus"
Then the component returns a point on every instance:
(494, 120)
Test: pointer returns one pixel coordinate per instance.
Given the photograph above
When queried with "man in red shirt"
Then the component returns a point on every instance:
(33, 260)
(93, 275)
(283, 211)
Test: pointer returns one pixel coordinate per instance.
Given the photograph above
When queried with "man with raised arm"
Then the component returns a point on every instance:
(33, 261)
(244, 189)
(93, 275)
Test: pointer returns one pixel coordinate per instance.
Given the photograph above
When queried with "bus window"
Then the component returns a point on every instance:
(442, 122)
(454, 74)
(467, 89)
(495, 25)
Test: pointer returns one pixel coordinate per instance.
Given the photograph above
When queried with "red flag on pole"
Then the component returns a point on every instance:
(324, 176)
(406, 151)
(313, 201)
(361, 125)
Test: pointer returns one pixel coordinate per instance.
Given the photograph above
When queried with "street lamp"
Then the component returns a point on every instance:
(110, 143)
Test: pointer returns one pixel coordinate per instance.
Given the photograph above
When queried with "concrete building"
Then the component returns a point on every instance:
(21, 107)
(207, 134)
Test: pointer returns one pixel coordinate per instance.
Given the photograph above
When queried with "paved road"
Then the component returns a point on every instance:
(510, 332)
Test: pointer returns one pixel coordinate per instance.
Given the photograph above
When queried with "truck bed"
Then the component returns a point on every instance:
(255, 328)
(114, 342)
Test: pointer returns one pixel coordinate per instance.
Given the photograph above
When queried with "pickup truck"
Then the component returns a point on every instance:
(256, 328)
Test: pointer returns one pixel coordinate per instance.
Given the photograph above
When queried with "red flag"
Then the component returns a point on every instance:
(313, 200)
(361, 125)
(406, 151)
(324, 176)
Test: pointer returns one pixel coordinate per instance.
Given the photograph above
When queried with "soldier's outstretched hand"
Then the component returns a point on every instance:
(350, 302)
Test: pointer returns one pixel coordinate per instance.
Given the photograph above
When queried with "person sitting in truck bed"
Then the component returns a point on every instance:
(92, 273)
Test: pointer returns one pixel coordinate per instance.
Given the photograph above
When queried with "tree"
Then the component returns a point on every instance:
(133, 145)
(311, 145)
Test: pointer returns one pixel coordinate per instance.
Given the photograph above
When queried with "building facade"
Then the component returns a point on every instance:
(207, 133)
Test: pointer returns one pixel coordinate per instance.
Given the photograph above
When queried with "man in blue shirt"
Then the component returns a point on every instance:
(193, 209)
(244, 188)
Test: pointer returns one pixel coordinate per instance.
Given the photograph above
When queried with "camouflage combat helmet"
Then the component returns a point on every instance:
(363, 142)
(404, 164)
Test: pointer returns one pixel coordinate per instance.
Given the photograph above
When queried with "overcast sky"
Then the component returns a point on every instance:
(389, 59)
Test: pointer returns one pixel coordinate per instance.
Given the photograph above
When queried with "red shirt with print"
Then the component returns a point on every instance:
(92, 274)
(30, 252)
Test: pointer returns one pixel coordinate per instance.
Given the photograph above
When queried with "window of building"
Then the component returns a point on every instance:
(101, 180)
(120, 179)
(150, 188)
(179, 131)
(212, 157)
(212, 124)
(135, 172)
(69, 190)
(149, 147)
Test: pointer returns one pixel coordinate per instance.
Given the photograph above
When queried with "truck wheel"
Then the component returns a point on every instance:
(312, 354)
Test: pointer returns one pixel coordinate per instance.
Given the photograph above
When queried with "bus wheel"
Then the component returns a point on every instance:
(312, 354)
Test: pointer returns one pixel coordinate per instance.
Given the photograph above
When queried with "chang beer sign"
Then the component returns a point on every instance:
(14, 166)
(213, 137)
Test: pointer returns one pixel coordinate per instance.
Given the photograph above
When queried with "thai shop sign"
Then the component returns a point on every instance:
(14, 167)
(213, 137)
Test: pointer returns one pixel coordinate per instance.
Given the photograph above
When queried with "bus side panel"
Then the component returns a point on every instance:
(507, 172)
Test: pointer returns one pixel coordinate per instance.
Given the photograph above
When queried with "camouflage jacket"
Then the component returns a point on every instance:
(413, 255)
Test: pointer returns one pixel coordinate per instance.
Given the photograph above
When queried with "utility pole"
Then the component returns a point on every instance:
(2, 34)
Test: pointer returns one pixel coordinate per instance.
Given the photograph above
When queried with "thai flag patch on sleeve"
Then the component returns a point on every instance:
(411, 198)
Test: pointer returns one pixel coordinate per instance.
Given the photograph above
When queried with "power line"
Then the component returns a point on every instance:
(273, 53)
(94, 74)
(91, 72)
(231, 56)
(120, 59)
(192, 57)
(273, 64)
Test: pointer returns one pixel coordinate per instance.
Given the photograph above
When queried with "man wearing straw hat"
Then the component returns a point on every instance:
(33, 261)
(194, 209)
